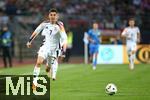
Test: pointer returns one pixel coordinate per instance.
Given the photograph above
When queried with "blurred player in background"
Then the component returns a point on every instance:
(94, 41)
(132, 35)
(69, 45)
(54, 33)
(6, 44)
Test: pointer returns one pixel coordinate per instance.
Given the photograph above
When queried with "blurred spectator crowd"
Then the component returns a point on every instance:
(111, 13)
(22, 16)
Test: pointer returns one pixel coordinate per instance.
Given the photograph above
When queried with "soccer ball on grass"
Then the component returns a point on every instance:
(111, 89)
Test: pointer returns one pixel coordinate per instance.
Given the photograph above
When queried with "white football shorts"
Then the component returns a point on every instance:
(131, 46)
(45, 52)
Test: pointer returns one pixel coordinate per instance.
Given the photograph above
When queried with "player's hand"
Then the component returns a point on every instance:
(138, 40)
(28, 44)
(129, 36)
(63, 54)
(93, 41)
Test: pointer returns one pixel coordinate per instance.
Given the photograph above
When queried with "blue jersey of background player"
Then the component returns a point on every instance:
(94, 41)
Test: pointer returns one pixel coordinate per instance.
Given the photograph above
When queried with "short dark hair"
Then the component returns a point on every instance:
(131, 19)
(53, 10)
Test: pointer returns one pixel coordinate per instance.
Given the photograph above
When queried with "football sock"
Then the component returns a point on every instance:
(94, 61)
(36, 73)
(54, 69)
(131, 58)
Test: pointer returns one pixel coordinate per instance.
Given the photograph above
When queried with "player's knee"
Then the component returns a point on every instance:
(39, 62)
(133, 52)
(96, 54)
(129, 54)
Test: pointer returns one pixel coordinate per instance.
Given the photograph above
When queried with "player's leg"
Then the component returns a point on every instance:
(9, 56)
(48, 67)
(54, 62)
(36, 71)
(131, 56)
(91, 52)
(42, 55)
(94, 62)
(95, 54)
(4, 56)
(131, 62)
(54, 67)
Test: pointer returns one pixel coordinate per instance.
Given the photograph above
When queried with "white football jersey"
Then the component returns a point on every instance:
(54, 34)
(131, 34)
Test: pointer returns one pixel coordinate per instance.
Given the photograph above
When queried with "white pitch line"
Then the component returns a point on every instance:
(5, 77)
(42, 71)
(29, 73)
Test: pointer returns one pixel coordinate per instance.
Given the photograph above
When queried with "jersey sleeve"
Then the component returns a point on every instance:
(99, 32)
(89, 33)
(63, 35)
(39, 28)
(138, 30)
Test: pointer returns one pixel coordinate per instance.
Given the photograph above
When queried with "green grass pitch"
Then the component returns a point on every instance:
(80, 82)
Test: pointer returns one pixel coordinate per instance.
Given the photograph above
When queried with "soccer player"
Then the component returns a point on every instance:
(132, 35)
(94, 41)
(54, 33)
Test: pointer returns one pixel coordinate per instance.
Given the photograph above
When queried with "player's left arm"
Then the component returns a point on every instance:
(138, 36)
(63, 36)
(99, 35)
(89, 37)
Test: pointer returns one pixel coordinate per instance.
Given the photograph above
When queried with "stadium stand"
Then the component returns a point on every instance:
(23, 16)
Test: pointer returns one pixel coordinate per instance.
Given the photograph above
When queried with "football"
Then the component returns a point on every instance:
(111, 89)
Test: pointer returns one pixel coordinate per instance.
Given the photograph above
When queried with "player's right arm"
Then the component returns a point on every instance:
(89, 37)
(124, 33)
(34, 34)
